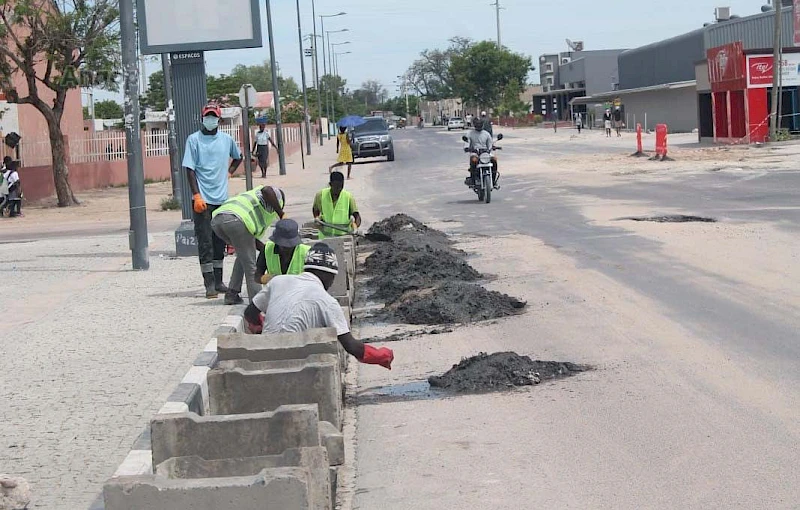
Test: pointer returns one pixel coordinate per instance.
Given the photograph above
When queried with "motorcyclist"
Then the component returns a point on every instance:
(479, 139)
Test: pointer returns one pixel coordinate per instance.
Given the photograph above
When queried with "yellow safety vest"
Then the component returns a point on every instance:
(247, 207)
(339, 216)
(295, 266)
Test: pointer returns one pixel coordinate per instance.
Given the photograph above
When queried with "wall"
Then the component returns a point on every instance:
(602, 71)
(669, 61)
(755, 32)
(677, 108)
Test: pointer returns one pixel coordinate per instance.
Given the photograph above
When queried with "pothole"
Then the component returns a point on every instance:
(502, 371)
(672, 218)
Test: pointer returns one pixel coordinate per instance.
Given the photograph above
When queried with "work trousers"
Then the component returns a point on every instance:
(232, 230)
(210, 247)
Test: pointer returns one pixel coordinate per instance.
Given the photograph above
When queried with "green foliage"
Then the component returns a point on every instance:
(86, 114)
(108, 109)
(154, 98)
(511, 102)
(483, 72)
(170, 203)
(431, 75)
(398, 106)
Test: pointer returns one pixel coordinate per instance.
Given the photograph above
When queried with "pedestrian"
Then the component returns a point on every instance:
(579, 122)
(211, 158)
(283, 254)
(607, 123)
(14, 190)
(240, 222)
(261, 146)
(296, 303)
(4, 172)
(335, 206)
(487, 124)
(618, 124)
(344, 150)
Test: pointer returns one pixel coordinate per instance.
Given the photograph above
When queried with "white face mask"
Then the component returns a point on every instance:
(210, 122)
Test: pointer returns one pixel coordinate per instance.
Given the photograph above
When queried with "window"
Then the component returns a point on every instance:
(549, 81)
(548, 68)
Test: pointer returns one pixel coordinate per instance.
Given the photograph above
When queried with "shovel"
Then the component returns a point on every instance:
(375, 238)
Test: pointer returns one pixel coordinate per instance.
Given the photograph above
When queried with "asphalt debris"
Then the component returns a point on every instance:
(672, 218)
(501, 371)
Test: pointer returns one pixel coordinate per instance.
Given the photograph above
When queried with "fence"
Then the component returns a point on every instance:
(101, 146)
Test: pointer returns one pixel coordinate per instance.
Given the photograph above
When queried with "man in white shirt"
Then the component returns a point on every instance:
(295, 303)
(261, 146)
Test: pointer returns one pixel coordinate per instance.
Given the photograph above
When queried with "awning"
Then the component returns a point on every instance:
(610, 96)
(560, 92)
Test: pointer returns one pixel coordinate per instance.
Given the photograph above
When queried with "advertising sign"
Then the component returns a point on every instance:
(760, 70)
(726, 67)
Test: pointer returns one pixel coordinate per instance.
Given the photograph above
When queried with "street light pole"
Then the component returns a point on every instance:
(276, 93)
(777, 70)
(306, 116)
(138, 213)
(316, 71)
(497, 8)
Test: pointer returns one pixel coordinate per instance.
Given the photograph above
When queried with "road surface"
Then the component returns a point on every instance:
(693, 329)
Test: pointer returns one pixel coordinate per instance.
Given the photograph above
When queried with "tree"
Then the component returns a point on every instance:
(371, 93)
(483, 73)
(108, 109)
(56, 46)
(511, 102)
(155, 98)
(431, 75)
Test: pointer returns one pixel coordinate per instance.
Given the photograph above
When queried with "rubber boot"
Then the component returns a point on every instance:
(211, 289)
(218, 283)
(233, 298)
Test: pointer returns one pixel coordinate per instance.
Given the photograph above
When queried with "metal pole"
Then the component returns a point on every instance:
(324, 74)
(172, 140)
(316, 71)
(497, 5)
(303, 77)
(777, 69)
(248, 161)
(332, 103)
(138, 212)
(276, 93)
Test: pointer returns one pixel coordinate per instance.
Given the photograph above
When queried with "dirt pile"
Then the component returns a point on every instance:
(501, 371)
(424, 279)
(454, 303)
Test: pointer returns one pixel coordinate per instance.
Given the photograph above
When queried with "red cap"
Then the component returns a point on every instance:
(212, 108)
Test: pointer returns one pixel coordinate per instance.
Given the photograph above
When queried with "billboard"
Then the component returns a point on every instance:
(726, 67)
(760, 70)
(168, 26)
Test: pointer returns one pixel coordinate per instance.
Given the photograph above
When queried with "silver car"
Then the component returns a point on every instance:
(456, 123)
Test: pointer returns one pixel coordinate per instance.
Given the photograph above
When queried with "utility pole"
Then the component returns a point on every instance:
(497, 9)
(306, 116)
(276, 93)
(777, 70)
(174, 163)
(316, 71)
(137, 234)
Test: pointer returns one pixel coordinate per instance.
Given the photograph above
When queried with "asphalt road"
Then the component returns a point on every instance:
(695, 401)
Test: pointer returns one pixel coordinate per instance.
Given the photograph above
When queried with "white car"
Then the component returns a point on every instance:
(456, 123)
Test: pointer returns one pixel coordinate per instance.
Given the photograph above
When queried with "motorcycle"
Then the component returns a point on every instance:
(482, 183)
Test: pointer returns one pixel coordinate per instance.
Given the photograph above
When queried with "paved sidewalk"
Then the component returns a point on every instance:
(90, 350)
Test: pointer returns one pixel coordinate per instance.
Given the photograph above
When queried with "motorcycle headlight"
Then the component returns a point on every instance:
(486, 158)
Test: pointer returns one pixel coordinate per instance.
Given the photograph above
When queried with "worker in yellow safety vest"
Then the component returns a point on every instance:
(241, 222)
(283, 254)
(335, 206)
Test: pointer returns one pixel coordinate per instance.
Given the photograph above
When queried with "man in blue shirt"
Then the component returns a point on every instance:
(211, 157)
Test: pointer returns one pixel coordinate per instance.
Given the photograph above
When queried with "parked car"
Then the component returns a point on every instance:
(456, 123)
(372, 139)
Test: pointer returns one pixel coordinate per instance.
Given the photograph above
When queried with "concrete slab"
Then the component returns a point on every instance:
(276, 347)
(333, 440)
(241, 386)
(225, 437)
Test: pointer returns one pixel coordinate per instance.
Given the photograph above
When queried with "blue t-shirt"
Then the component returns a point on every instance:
(209, 156)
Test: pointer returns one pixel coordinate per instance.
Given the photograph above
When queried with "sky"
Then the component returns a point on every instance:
(386, 36)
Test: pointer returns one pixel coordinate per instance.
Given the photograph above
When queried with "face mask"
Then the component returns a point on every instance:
(210, 123)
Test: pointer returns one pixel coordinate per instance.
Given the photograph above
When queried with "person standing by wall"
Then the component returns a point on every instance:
(579, 122)
(618, 124)
(261, 146)
(14, 190)
(607, 123)
(211, 158)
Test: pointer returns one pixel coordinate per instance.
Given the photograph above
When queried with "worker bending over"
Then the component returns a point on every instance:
(295, 303)
(283, 254)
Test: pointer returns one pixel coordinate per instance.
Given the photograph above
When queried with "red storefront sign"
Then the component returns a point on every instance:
(760, 70)
(661, 139)
(726, 67)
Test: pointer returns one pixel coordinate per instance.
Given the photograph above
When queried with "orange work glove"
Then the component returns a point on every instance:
(200, 205)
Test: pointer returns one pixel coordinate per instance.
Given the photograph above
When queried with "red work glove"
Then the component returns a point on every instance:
(383, 356)
(199, 204)
(257, 328)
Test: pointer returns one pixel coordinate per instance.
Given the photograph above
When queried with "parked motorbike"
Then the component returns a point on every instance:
(481, 181)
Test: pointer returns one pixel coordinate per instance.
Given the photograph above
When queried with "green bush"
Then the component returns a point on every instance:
(170, 203)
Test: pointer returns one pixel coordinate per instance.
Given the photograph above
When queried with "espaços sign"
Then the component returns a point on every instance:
(761, 69)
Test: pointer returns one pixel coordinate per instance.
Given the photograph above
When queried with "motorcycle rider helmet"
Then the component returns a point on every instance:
(477, 123)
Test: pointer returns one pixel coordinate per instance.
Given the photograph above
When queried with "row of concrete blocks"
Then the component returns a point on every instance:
(256, 423)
